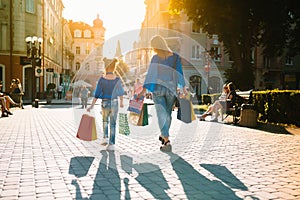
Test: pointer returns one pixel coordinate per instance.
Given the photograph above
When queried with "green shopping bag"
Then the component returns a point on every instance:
(123, 124)
(140, 119)
(143, 120)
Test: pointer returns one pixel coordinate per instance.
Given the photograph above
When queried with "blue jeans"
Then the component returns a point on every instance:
(109, 116)
(164, 100)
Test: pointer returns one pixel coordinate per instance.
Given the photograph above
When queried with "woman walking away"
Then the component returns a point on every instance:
(109, 88)
(163, 77)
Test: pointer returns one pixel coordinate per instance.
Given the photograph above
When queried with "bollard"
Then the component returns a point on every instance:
(36, 103)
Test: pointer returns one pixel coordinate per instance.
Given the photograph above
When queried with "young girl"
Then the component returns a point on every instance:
(109, 88)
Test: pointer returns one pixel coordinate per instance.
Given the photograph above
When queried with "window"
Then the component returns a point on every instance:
(267, 61)
(30, 6)
(77, 66)
(3, 38)
(252, 56)
(97, 34)
(77, 50)
(196, 52)
(196, 28)
(289, 61)
(87, 34)
(77, 33)
(87, 51)
(215, 53)
(87, 67)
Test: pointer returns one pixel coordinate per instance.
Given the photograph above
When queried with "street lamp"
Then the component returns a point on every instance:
(34, 49)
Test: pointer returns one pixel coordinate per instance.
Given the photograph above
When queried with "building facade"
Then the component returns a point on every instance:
(41, 18)
(87, 48)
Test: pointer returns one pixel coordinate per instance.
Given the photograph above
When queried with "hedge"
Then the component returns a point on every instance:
(276, 106)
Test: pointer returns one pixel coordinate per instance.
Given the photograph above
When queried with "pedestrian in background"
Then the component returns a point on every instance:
(163, 77)
(84, 95)
(109, 88)
(59, 91)
(137, 87)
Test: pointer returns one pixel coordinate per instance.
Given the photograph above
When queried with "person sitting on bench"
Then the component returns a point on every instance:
(222, 103)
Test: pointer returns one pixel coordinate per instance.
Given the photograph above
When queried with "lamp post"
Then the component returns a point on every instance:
(34, 49)
(207, 69)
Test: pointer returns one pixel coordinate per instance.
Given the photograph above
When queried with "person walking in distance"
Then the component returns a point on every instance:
(163, 77)
(109, 88)
(84, 94)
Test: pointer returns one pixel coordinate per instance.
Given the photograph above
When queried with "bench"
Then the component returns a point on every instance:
(18, 98)
(243, 98)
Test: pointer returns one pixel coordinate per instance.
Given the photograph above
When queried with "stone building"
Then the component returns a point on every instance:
(87, 48)
(41, 18)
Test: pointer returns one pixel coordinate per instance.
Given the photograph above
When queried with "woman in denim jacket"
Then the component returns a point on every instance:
(163, 77)
(109, 88)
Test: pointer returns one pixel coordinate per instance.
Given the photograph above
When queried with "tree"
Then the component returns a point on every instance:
(243, 25)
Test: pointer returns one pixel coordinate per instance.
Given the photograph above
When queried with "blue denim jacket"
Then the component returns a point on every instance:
(162, 71)
(109, 89)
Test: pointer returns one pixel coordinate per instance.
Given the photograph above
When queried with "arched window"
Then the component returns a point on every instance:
(87, 34)
(77, 66)
(195, 83)
(215, 84)
(77, 33)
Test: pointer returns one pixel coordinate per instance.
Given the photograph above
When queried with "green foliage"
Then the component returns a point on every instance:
(210, 98)
(278, 106)
(50, 86)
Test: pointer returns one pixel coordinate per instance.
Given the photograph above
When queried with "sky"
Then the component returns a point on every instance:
(119, 17)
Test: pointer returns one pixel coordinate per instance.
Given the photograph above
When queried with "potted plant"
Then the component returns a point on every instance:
(50, 92)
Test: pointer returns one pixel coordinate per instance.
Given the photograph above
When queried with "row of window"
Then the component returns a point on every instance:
(198, 52)
(86, 34)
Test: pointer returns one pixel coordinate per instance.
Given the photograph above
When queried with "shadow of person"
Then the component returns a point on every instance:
(196, 185)
(222, 173)
(107, 184)
(149, 176)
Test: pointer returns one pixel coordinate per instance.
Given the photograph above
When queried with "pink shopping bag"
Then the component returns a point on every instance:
(136, 105)
(87, 128)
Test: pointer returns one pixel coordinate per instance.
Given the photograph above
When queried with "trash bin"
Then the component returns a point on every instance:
(248, 116)
(36, 103)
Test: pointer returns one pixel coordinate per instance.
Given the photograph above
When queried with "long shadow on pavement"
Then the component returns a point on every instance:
(107, 184)
(196, 185)
(149, 176)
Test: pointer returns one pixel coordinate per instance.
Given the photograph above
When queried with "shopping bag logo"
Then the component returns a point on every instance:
(87, 128)
(135, 105)
(123, 124)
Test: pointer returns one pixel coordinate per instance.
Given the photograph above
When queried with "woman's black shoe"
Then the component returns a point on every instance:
(161, 139)
(8, 112)
(4, 115)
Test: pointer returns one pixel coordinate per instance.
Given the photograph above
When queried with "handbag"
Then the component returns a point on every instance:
(87, 128)
(123, 124)
(136, 105)
(139, 119)
(143, 119)
(186, 111)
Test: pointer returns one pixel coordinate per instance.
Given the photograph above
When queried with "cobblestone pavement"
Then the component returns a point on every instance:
(41, 158)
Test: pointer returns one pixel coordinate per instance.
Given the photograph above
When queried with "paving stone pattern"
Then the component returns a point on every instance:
(41, 158)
